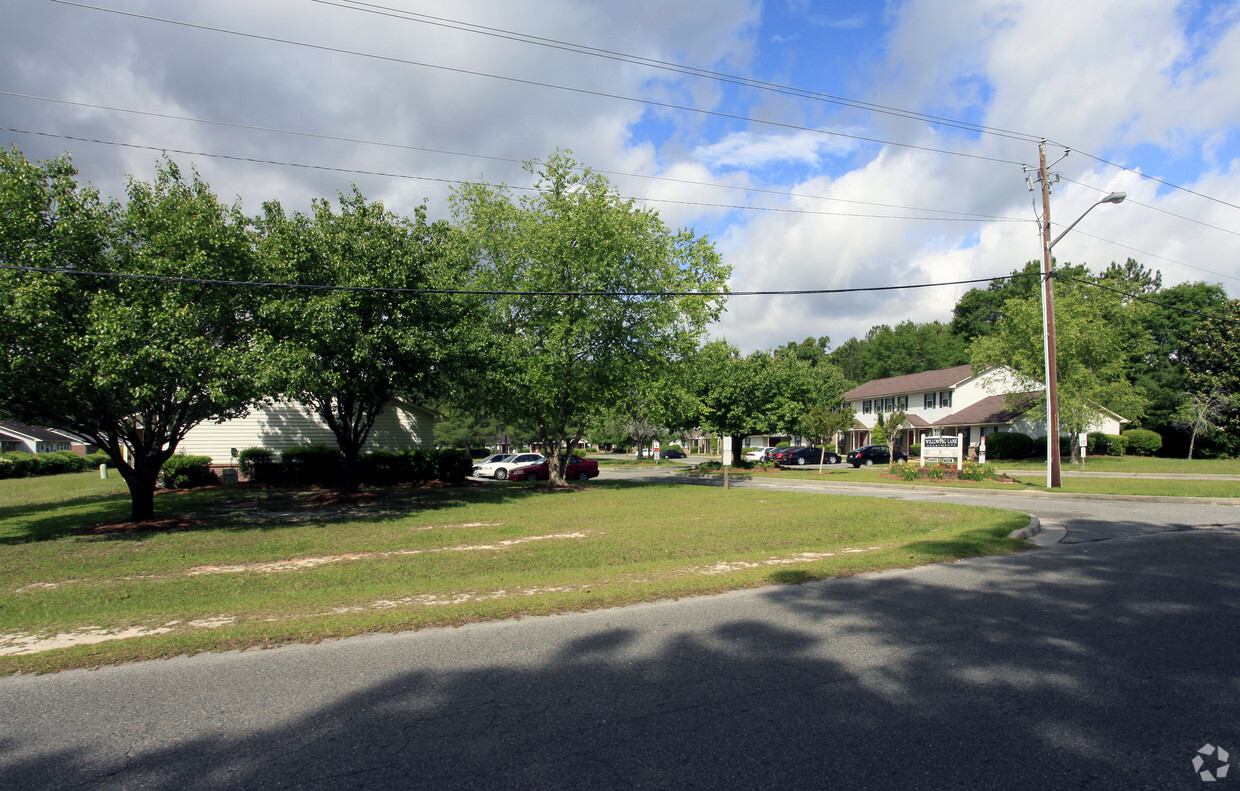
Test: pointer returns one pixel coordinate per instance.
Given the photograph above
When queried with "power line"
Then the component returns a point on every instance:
(1138, 298)
(496, 292)
(1155, 179)
(385, 174)
(1153, 208)
(679, 68)
(407, 147)
(536, 83)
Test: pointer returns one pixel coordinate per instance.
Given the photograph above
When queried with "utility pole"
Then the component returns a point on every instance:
(1053, 477)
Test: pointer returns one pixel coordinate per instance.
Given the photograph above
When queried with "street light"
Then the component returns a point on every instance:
(1053, 477)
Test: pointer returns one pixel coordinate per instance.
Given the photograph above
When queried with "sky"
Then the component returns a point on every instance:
(820, 145)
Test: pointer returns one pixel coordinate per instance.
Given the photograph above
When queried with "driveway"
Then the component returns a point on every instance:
(1107, 661)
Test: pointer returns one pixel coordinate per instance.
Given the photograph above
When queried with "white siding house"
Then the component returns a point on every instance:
(286, 424)
(20, 438)
(953, 401)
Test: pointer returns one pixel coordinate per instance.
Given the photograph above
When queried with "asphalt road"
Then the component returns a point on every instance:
(1106, 660)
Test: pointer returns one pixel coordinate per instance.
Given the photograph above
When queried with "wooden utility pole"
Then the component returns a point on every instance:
(1054, 480)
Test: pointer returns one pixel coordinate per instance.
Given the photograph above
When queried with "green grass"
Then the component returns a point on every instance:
(1142, 464)
(406, 558)
(1034, 480)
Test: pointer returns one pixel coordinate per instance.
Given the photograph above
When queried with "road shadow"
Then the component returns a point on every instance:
(1104, 666)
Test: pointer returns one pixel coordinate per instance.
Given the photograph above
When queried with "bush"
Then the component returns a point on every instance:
(60, 462)
(97, 459)
(385, 467)
(1116, 444)
(259, 465)
(710, 466)
(914, 451)
(1142, 441)
(313, 464)
(972, 471)
(908, 470)
(185, 472)
(783, 445)
(1009, 445)
(451, 465)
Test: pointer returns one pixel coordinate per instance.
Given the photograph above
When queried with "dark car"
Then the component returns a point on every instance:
(777, 455)
(672, 453)
(803, 456)
(579, 468)
(873, 454)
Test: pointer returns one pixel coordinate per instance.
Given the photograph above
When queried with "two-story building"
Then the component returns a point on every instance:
(950, 401)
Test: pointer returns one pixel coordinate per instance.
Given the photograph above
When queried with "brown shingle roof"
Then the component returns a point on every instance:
(991, 410)
(12, 427)
(924, 382)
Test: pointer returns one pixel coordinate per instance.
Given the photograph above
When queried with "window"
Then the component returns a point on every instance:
(945, 398)
(891, 405)
(902, 403)
(867, 407)
(930, 400)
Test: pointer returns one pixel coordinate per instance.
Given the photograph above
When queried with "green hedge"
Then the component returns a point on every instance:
(1009, 445)
(28, 465)
(1142, 441)
(186, 472)
(324, 465)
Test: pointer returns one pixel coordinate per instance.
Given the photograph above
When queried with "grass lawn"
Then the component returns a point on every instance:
(250, 567)
(1133, 464)
(1033, 481)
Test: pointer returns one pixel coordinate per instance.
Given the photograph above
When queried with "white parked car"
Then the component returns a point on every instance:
(757, 455)
(499, 469)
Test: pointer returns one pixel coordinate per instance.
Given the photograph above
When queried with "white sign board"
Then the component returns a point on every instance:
(727, 451)
(945, 447)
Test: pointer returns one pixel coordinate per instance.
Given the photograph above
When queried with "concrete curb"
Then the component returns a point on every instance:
(1029, 531)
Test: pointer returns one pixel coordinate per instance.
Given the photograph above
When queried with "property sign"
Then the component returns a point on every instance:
(943, 448)
(727, 451)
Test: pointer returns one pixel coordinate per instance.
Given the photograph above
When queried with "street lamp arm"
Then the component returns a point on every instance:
(1114, 197)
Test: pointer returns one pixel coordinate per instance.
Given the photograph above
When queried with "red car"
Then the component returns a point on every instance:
(579, 468)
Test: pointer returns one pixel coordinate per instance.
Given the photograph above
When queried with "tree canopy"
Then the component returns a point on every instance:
(132, 364)
(606, 296)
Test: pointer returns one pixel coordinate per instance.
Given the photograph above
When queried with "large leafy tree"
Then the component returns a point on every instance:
(610, 295)
(133, 364)
(1212, 364)
(1096, 331)
(760, 393)
(906, 348)
(379, 327)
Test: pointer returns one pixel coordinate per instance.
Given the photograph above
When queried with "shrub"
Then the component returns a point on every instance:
(97, 459)
(914, 451)
(1009, 445)
(783, 445)
(1116, 444)
(22, 465)
(313, 464)
(259, 465)
(1096, 444)
(709, 466)
(59, 462)
(451, 465)
(8, 467)
(385, 467)
(1142, 441)
(972, 471)
(185, 472)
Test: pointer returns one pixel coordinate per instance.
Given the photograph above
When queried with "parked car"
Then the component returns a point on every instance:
(578, 468)
(500, 469)
(873, 454)
(494, 457)
(803, 456)
(777, 455)
(758, 454)
(672, 453)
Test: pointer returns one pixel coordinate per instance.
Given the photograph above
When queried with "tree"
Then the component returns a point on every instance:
(1096, 330)
(761, 393)
(604, 302)
(347, 353)
(895, 421)
(894, 351)
(1200, 414)
(823, 424)
(979, 311)
(1212, 368)
(132, 364)
(879, 435)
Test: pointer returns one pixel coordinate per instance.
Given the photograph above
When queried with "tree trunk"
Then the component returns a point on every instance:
(141, 482)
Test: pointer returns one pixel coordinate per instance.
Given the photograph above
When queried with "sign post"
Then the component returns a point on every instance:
(727, 459)
(1083, 440)
(981, 451)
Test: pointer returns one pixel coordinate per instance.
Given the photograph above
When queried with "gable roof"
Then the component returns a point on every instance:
(991, 410)
(940, 379)
(13, 428)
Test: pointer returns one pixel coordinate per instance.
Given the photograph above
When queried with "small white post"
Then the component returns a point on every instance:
(103, 471)
(960, 452)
